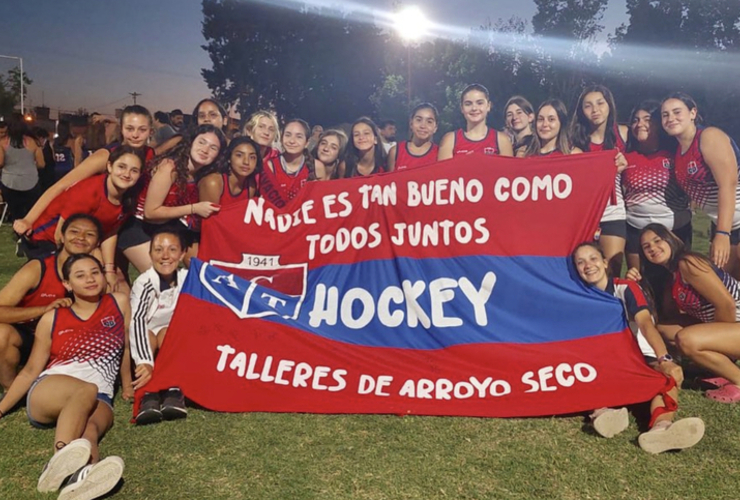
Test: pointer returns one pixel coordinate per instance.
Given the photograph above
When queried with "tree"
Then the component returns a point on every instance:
(671, 45)
(10, 90)
(320, 64)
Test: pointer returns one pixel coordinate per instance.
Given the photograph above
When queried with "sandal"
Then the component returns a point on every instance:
(714, 381)
(729, 393)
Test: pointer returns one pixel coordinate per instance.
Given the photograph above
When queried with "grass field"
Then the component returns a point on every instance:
(295, 456)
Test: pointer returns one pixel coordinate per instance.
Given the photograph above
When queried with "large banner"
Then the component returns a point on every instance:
(445, 290)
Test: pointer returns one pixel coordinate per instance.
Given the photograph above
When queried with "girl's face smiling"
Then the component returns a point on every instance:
(423, 124)
(591, 266)
(86, 279)
(516, 119)
(208, 113)
(328, 150)
(548, 124)
(135, 129)
(677, 117)
(294, 138)
(125, 171)
(363, 137)
(475, 106)
(656, 249)
(205, 149)
(264, 132)
(641, 127)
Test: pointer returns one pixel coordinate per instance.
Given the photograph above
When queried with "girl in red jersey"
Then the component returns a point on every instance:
(136, 125)
(594, 128)
(329, 154)
(519, 117)
(420, 150)
(651, 193)
(475, 104)
(703, 320)
(707, 170)
(664, 433)
(551, 136)
(110, 198)
(283, 177)
(264, 129)
(365, 152)
(237, 179)
(70, 379)
(172, 193)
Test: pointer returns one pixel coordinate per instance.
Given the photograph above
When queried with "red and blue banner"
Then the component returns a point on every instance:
(444, 290)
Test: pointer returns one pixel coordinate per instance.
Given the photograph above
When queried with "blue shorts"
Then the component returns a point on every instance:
(102, 397)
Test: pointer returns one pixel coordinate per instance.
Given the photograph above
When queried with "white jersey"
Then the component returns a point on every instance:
(151, 310)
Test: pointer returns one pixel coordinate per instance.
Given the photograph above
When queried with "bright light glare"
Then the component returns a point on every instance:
(411, 23)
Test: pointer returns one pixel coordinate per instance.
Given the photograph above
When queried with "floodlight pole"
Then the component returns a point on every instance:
(23, 108)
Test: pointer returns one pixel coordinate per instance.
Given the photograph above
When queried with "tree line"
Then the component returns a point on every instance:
(330, 66)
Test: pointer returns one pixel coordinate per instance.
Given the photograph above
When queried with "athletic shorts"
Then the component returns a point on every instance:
(35, 249)
(27, 331)
(102, 397)
(612, 228)
(135, 231)
(734, 235)
(684, 233)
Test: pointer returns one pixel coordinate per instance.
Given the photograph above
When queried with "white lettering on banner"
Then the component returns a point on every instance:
(522, 188)
(356, 238)
(444, 192)
(319, 378)
(332, 199)
(384, 196)
(417, 234)
(258, 214)
(328, 306)
(564, 375)
(446, 389)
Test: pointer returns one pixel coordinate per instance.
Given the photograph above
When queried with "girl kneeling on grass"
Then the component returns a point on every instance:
(70, 377)
(708, 295)
(664, 433)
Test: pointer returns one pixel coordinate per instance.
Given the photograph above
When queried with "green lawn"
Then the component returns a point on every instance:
(281, 456)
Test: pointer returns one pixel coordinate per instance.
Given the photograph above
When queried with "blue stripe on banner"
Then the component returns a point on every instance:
(422, 303)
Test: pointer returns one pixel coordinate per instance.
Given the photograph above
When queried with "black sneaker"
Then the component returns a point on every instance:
(173, 404)
(93, 481)
(149, 412)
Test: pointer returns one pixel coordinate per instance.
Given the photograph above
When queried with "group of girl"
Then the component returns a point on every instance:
(663, 160)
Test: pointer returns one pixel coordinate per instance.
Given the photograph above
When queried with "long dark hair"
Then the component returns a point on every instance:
(17, 131)
(651, 107)
(580, 126)
(180, 154)
(310, 165)
(353, 156)
(562, 142)
(342, 138)
(128, 203)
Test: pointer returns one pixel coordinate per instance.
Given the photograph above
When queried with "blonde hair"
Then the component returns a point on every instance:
(252, 122)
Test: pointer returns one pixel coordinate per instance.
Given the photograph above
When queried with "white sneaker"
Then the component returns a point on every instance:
(681, 434)
(64, 462)
(609, 422)
(93, 481)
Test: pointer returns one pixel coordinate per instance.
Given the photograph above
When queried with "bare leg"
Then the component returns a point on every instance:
(139, 256)
(633, 260)
(97, 425)
(710, 345)
(10, 354)
(613, 247)
(66, 400)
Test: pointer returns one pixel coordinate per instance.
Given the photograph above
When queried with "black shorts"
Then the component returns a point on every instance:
(135, 231)
(734, 234)
(27, 331)
(612, 228)
(685, 233)
(35, 249)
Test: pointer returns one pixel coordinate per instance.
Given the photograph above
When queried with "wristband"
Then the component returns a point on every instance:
(664, 358)
(726, 233)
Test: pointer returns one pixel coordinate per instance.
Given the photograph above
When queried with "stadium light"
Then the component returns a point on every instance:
(411, 23)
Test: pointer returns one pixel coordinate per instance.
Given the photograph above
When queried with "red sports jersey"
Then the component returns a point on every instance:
(50, 286)
(406, 159)
(174, 198)
(270, 154)
(89, 196)
(227, 198)
(487, 146)
(88, 349)
(651, 193)
(697, 180)
(619, 144)
(277, 186)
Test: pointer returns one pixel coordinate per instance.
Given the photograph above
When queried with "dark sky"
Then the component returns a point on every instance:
(92, 53)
